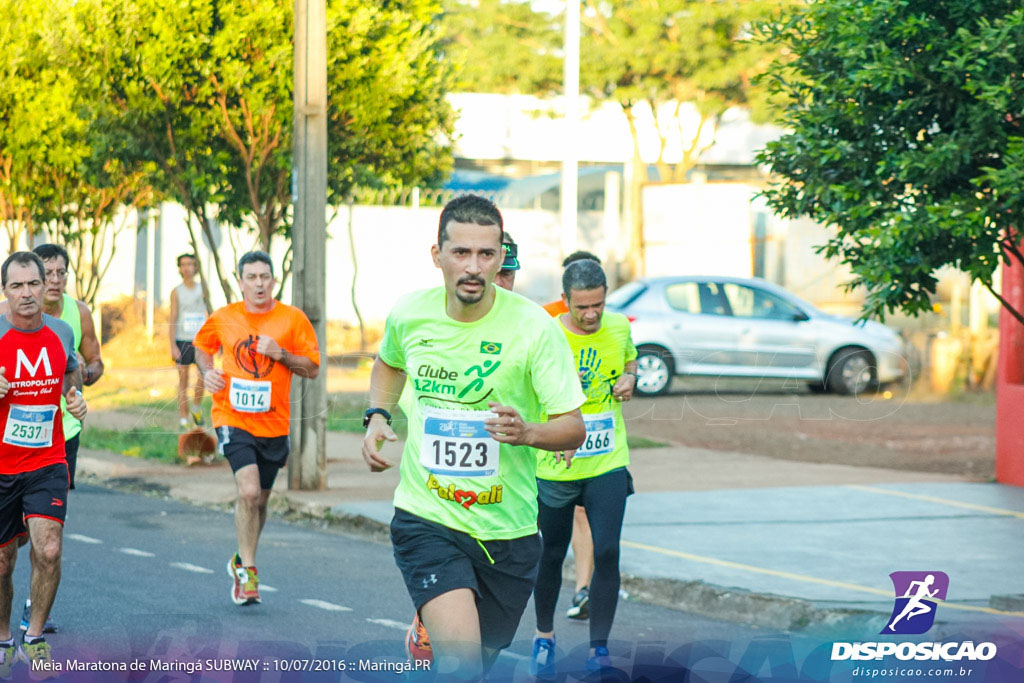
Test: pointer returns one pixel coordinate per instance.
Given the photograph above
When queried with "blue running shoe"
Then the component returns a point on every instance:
(599, 661)
(542, 662)
(26, 616)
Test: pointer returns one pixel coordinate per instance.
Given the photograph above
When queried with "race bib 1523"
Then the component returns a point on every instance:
(455, 443)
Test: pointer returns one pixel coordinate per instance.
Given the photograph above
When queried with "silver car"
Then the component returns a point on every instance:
(738, 327)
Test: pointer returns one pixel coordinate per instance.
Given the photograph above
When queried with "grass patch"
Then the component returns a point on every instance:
(138, 443)
(635, 441)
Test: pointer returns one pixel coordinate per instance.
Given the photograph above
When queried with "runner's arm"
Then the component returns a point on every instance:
(72, 378)
(562, 432)
(173, 326)
(623, 389)
(300, 365)
(386, 385)
(89, 347)
(75, 402)
(213, 379)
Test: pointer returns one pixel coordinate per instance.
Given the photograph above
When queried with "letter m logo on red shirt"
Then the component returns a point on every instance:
(43, 359)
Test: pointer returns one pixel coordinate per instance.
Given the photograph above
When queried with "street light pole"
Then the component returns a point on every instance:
(307, 466)
(570, 163)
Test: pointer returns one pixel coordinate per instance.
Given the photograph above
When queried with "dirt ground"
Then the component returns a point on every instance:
(898, 430)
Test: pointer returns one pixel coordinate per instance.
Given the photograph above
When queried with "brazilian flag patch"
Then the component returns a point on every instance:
(491, 348)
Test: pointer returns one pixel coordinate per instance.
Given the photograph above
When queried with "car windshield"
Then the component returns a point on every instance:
(625, 295)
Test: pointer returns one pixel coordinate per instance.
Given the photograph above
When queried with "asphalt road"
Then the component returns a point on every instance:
(144, 579)
(784, 420)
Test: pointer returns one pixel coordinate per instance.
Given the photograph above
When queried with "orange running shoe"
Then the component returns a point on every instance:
(417, 642)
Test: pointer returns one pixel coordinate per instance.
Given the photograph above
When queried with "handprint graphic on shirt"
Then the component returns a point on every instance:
(591, 378)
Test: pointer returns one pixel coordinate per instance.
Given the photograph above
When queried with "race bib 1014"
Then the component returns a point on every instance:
(250, 396)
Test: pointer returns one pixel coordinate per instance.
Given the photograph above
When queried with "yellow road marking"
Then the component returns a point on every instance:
(800, 577)
(940, 501)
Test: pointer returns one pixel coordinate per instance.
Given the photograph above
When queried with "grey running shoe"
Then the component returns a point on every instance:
(580, 605)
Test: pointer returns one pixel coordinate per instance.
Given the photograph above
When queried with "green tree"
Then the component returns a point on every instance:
(664, 55)
(668, 54)
(906, 136)
(389, 122)
(503, 46)
(58, 174)
(206, 92)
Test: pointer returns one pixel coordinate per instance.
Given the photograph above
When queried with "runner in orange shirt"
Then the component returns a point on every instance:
(264, 343)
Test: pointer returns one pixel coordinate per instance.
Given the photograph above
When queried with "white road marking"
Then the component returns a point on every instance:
(191, 568)
(323, 604)
(268, 589)
(391, 623)
(83, 539)
(513, 655)
(135, 552)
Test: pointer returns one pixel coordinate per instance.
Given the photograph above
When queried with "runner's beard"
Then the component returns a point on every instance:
(469, 298)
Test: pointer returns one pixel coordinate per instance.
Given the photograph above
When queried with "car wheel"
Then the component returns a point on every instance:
(852, 372)
(654, 370)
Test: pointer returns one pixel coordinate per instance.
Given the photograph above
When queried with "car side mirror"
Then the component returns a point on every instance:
(800, 317)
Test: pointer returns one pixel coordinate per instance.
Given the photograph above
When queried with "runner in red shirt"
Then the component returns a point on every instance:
(37, 365)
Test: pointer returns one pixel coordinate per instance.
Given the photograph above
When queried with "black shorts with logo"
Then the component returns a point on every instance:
(435, 560)
(268, 453)
(39, 493)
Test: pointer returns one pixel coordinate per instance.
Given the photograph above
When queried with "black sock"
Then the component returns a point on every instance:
(30, 640)
(7, 643)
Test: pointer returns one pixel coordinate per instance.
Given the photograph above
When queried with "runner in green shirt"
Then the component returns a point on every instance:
(595, 476)
(485, 365)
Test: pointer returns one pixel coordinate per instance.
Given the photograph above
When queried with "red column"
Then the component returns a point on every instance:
(1010, 383)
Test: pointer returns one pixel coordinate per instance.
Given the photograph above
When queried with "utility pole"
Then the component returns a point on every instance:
(307, 466)
(570, 160)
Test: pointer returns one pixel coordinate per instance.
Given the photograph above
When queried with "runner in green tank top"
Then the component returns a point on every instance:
(485, 365)
(76, 314)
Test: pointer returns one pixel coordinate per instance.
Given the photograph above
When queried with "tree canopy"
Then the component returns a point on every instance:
(906, 135)
(672, 53)
(112, 102)
(663, 56)
(61, 171)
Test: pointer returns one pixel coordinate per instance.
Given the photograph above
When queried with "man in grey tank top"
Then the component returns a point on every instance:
(188, 313)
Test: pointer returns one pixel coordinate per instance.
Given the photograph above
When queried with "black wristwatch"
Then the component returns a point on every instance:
(375, 411)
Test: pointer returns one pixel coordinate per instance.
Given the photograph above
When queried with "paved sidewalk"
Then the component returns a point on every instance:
(777, 543)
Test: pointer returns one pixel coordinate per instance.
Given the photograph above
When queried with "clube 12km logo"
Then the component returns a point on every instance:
(916, 603)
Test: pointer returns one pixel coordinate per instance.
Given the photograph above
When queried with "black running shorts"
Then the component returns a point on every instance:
(188, 353)
(241, 448)
(71, 454)
(39, 493)
(435, 560)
